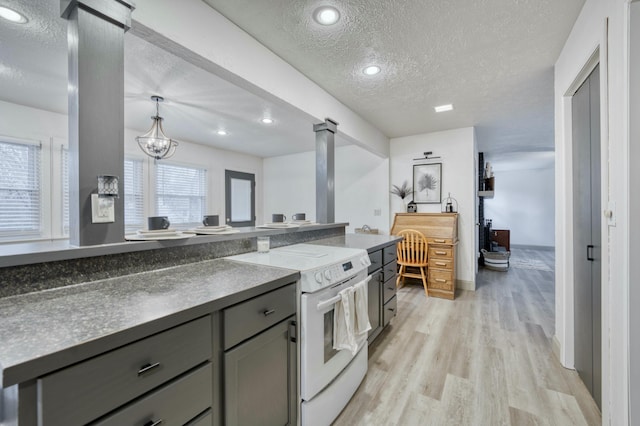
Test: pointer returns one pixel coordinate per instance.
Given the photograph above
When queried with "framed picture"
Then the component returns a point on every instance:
(427, 183)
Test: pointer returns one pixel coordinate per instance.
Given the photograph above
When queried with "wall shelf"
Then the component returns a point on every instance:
(485, 194)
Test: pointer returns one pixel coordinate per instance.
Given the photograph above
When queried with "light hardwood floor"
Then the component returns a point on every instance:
(483, 359)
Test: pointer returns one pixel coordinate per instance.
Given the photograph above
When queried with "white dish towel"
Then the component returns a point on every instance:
(351, 318)
(361, 300)
(343, 322)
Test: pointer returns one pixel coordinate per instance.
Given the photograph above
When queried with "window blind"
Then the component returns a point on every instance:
(134, 218)
(20, 190)
(181, 193)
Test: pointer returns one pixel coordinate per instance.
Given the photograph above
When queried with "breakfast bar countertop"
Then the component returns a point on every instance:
(51, 329)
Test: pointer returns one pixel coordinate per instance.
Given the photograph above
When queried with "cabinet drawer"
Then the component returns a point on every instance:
(389, 311)
(376, 260)
(389, 254)
(174, 404)
(389, 289)
(85, 391)
(440, 263)
(441, 279)
(440, 252)
(389, 271)
(433, 240)
(248, 318)
(204, 419)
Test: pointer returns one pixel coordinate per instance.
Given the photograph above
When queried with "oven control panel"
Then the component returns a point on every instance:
(329, 275)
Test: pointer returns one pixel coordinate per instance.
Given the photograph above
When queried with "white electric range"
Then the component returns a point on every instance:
(328, 378)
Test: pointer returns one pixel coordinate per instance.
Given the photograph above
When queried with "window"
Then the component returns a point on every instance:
(20, 191)
(133, 196)
(240, 197)
(181, 193)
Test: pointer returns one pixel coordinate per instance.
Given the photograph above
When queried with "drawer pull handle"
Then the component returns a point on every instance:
(441, 264)
(269, 312)
(152, 423)
(391, 288)
(441, 252)
(440, 280)
(146, 368)
(392, 310)
(439, 241)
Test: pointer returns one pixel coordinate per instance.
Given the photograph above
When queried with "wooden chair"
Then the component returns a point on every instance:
(412, 252)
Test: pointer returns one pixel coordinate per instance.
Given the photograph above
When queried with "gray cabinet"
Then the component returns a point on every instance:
(85, 391)
(260, 381)
(382, 289)
(375, 305)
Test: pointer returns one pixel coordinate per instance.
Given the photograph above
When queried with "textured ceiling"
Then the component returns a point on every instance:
(493, 59)
(33, 72)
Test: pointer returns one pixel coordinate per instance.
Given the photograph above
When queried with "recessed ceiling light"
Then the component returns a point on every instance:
(326, 15)
(222, 132)
(12, 15)
(443, 108)
(371, 70)
(267, 120)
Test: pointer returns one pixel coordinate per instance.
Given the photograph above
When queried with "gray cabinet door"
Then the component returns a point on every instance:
(586, 230)
(375, 304)
(260, 379)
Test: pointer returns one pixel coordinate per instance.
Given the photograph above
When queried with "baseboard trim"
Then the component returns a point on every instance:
(466, 285)
(555, 347)
(530, 247)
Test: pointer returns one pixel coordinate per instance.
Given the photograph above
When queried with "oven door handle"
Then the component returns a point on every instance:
(326, 303)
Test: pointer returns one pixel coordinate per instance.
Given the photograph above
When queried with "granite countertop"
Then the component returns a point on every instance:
(369, 242)
(51, 329)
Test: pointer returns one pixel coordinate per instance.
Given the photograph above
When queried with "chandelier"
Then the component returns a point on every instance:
(155, 143)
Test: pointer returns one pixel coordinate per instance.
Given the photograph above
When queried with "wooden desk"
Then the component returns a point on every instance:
(441, 231)
(502, 237)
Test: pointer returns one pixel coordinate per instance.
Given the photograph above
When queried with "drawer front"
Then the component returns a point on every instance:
(85, 391)
(389, 271)
(441, 279)
(389, 289)
(433, 240)
(389, 311)
(376, 260)
(248, 318)
(204, 419)
(173, 404)
(440, 263)
(389, 254)
(440, 252)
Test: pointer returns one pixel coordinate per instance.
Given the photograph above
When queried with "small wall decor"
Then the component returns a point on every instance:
(412, 207)
(427, 183)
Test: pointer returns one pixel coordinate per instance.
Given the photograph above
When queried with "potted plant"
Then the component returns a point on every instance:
(403, 192)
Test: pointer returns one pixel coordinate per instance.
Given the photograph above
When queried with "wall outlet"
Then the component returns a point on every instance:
(102, 209)
(377, 212)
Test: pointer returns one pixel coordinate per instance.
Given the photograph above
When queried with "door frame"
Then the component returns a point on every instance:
(232, 174)
(563, 344)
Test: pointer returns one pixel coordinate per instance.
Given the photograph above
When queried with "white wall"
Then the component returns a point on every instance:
(524, 199)
(601, 28)
(18, 121)
(361, 182)
(239, 58)
(457, 151)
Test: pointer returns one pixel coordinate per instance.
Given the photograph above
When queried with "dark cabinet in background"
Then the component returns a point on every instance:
(382, 289)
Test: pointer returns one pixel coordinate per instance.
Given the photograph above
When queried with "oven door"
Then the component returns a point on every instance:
(320, 363)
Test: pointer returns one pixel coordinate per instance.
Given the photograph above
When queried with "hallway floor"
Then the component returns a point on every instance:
(483, 359)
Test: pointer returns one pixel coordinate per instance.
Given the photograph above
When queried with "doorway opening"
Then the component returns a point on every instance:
(240, 198)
